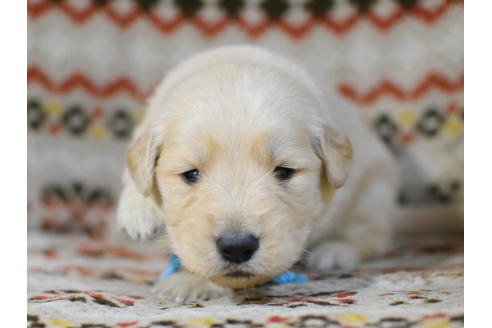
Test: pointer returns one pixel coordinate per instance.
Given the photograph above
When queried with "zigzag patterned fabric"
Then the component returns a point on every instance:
(92, 64)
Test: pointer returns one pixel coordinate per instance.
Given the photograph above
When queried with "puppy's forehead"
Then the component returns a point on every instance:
(241, 92)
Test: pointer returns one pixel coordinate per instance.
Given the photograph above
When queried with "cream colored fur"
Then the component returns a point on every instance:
(236, 113)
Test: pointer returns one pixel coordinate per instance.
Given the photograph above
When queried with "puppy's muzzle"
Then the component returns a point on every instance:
(237, 248)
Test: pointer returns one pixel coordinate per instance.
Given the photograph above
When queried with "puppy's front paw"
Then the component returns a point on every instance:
(184, 286)
(333, 255)
(138, 215)
(139, 223)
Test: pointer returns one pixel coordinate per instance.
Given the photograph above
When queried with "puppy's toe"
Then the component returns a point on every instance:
(334, 255)
(188, 287)
(139, 227)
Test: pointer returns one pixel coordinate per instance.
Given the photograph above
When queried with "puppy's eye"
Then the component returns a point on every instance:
(283, 173)
(191, 176)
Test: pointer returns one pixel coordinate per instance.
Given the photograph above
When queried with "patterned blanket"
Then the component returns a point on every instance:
(82, 282)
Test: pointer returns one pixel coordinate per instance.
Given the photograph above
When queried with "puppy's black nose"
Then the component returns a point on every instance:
(237, 249)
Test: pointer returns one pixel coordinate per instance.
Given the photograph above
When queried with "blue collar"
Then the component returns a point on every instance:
(284, 278)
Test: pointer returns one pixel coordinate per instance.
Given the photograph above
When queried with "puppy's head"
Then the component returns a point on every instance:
(242, 165)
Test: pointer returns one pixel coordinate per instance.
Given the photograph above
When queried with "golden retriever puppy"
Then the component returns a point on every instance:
(243, 166)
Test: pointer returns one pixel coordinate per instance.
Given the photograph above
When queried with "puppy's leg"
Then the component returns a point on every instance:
(185, 286)
(137, 214)
(365, 227)
(334, 254)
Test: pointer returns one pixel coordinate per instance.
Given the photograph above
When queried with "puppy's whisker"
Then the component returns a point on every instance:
(305, 251)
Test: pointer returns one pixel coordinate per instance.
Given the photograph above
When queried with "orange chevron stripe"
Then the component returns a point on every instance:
(338, 27)
(80, 81)
(37, 9)
(385, 87)
(125, 85)
(122, 20)
(395, 17)
(77, 16)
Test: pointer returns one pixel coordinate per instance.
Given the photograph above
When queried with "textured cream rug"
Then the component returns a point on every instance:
(80, 282)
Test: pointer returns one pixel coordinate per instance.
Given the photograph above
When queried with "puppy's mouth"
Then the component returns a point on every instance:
(237, 278)
(239, 274)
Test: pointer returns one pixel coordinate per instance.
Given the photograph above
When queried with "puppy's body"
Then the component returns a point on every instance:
(241, 119)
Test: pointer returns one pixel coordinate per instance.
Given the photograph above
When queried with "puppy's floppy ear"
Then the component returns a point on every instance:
(141, 159)
(335, 150)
